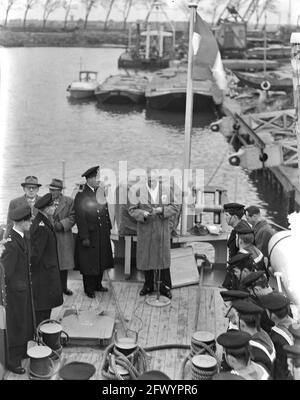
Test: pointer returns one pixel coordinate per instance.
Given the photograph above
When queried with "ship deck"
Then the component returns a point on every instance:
(195, 307)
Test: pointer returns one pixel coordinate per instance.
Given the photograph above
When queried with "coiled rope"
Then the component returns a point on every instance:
(201, 348)
(135, 363)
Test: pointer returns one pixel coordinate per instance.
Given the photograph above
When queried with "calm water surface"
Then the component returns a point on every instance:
(44, 127)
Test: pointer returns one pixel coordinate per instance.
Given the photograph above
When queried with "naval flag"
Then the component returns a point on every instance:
(206, 56)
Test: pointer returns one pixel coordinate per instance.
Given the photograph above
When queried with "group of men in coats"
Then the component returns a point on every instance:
(39, 251)
(261, 331)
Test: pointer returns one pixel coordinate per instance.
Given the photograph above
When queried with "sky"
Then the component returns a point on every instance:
(140, 13)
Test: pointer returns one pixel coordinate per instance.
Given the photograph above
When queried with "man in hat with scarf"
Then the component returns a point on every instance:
(63, 221)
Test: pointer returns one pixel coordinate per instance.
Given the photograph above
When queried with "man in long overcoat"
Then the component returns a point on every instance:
(47, 291)
(63, 221)
(155, 205)
(93, 252)
(19, 307)
(31, 187)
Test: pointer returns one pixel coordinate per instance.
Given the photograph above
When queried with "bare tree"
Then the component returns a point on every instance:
(68, 6)
(89, 5)
(107, 5)
(125, 7)
(49, 7)
(29, 4)
(8, 5)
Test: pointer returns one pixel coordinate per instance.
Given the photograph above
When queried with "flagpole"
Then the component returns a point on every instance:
(188, 119)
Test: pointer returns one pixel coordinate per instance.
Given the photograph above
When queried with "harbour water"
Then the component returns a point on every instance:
(43, 127)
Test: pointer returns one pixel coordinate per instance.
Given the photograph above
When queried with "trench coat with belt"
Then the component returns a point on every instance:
(93, 223)
(65, 214)
(153, 234)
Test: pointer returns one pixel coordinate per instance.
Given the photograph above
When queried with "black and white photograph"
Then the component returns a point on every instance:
(149, 192)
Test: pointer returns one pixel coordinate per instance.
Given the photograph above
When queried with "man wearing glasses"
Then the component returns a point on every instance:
(31, 187)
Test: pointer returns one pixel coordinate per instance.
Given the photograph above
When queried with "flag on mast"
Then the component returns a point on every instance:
(207, 62)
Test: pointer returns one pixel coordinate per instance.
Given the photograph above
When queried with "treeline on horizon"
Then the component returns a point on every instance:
(214, 10)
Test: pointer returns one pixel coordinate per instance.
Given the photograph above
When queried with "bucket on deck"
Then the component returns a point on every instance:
(40, 364)
(203, 342)
(204, 367)
(49, 332)
(125, 345)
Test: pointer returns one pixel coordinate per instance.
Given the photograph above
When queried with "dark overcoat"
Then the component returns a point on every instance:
(93, 223)
(16, 203)
(154, 233)
(46, 284)
(263, 233)
(19, 313)
(232, 240)
(65, 214)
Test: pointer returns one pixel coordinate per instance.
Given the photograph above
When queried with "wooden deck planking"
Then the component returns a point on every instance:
(182, 326)
(173, 324)
(163, 326)
(171, 362)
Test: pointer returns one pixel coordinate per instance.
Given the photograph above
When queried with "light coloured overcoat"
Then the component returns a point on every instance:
(153, 234)
(65, 214)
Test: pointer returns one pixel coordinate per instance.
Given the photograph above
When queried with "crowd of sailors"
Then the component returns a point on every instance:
(259, 342)
(39, 250)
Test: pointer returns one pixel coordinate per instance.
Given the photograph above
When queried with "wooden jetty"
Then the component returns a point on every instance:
(276, 130)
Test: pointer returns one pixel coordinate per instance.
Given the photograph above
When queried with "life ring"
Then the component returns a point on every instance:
(215, 127)
(265, 85)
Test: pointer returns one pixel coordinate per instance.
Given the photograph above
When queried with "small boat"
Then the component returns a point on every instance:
(274, 51)
(167, 91)
(274, 80)
(85, 87)
(122, 89)
(129, 59)
(249, 65)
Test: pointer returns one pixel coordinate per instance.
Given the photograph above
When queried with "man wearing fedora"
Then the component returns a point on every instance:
(31, 187)
(93, 252)
(63, 221)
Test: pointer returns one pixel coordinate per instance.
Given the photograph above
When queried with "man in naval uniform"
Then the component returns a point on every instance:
(277, 306)
(93, 252)
(236, 347)
(19, 308)
(234, 217)
(31, 187)
(47, 291)
(256, 283)
(262, 349)
(241, 265)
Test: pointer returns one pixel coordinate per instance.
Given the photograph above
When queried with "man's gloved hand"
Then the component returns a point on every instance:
(58, 226)
(86, 243)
